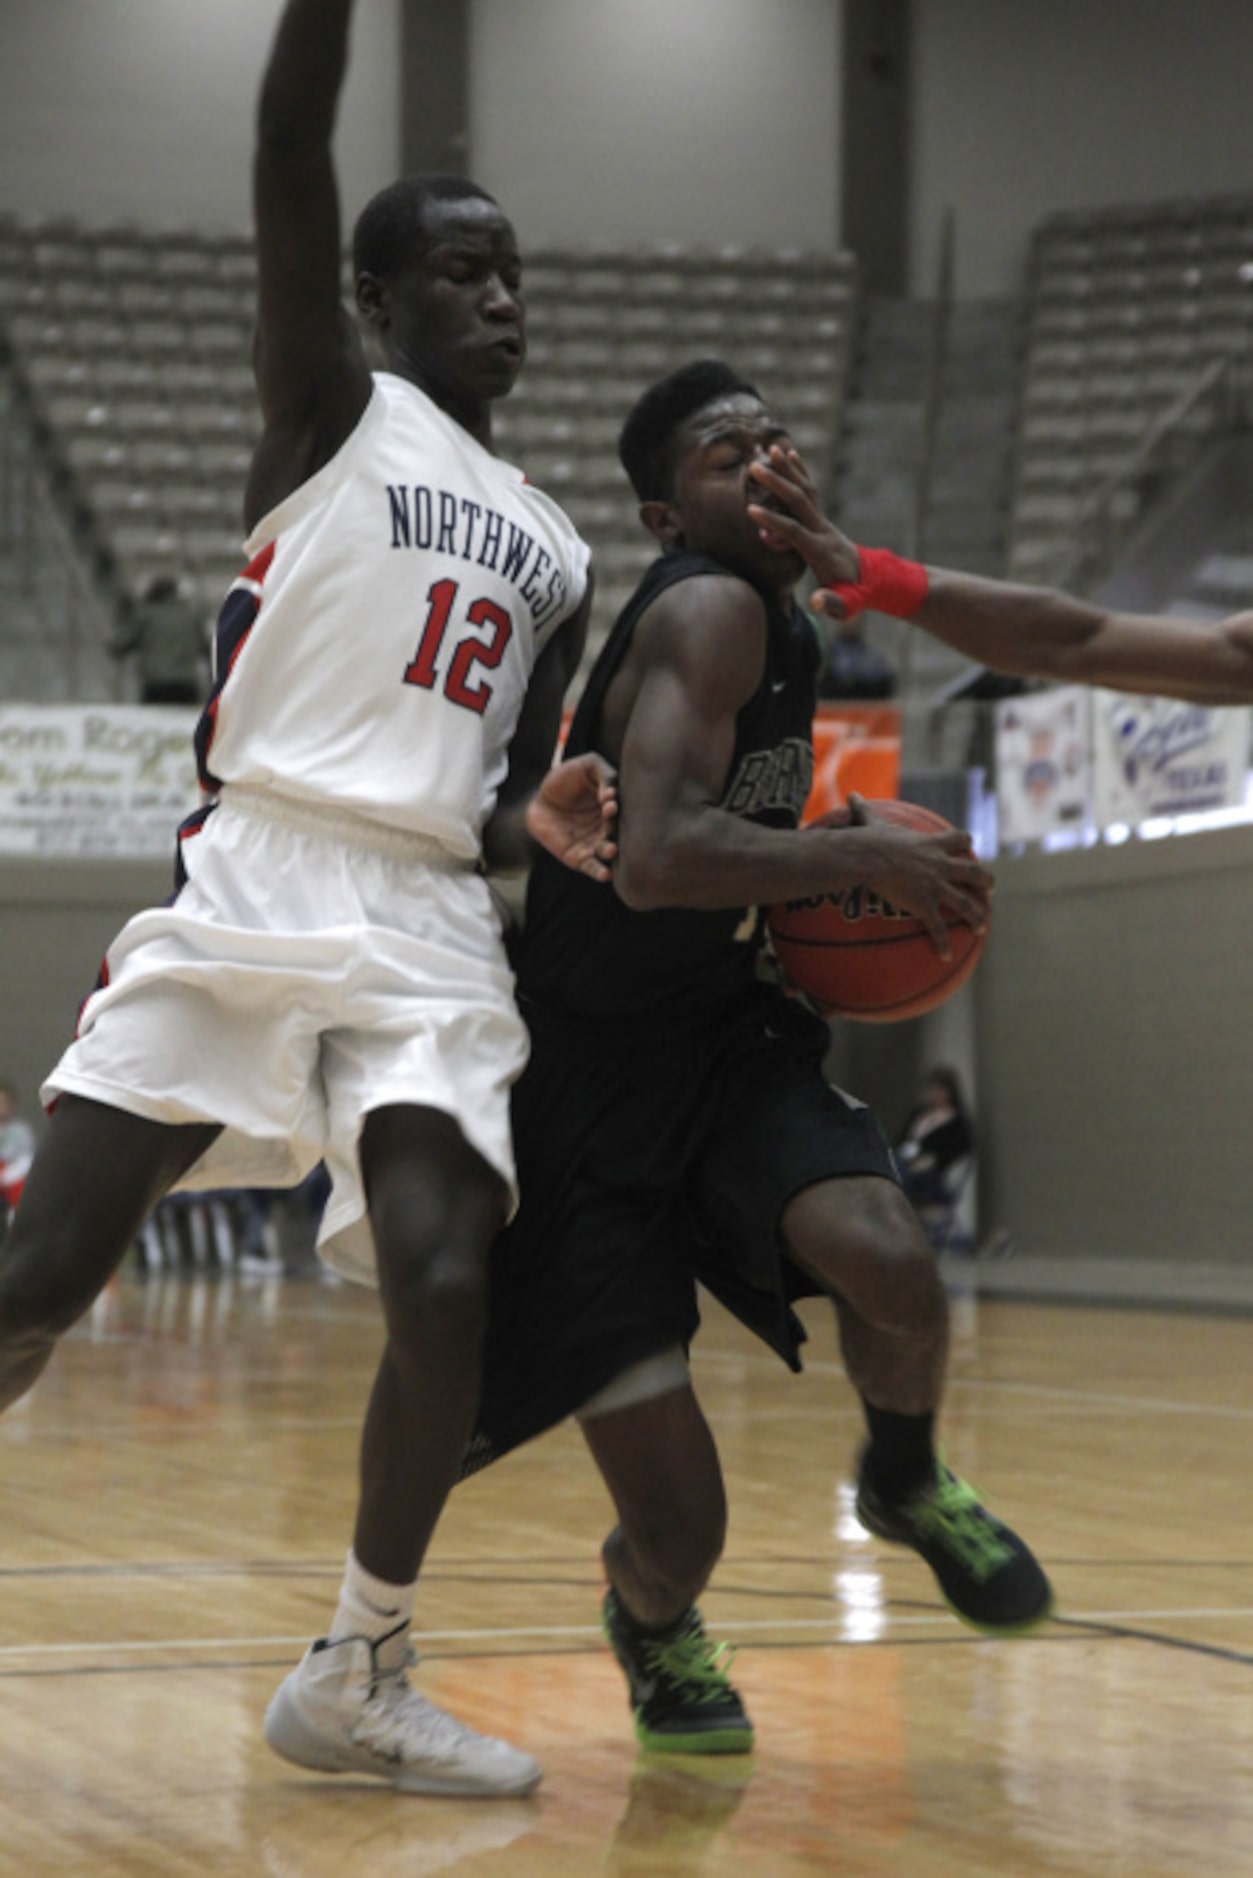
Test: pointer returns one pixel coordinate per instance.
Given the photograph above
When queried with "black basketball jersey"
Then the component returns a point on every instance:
(584, 952)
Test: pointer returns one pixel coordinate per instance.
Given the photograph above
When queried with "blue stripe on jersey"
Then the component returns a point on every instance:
(234, 623)
(191, 825)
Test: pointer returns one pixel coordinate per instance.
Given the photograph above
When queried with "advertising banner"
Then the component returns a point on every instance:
(118, 779)
(1152, 757)
(95, 779)
(1043, 763)
(857, 750)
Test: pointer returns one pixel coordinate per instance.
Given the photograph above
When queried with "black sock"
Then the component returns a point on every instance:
(653, 1633)
(901, 1455)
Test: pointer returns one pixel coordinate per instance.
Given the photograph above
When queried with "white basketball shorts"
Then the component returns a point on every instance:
(312, 969)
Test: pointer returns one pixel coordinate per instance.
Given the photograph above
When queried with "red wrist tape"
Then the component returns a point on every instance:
(886, 584)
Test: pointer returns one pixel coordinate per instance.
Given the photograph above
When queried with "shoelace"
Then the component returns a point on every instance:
(952, 1514)
(400, 1703)
(696, 1660)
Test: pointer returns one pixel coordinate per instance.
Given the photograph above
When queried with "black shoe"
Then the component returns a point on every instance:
(683, 1701)
(988, 1576)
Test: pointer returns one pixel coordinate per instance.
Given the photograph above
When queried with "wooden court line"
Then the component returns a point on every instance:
(487, 1633)
(1111, 1627)
(474, 1569)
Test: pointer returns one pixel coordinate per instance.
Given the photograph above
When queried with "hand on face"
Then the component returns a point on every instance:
(800, 523)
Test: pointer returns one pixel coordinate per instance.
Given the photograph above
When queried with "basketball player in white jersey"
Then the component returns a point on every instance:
(329, 980)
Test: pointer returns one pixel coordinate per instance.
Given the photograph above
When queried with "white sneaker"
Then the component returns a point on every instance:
(339, 1713)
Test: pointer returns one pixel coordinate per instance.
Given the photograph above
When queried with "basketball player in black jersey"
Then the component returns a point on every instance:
(675, 1123)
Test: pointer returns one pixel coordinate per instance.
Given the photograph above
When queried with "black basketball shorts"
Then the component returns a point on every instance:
(650, 1159)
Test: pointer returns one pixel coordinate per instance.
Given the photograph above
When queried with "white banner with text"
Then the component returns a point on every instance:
(95, 779)
(1151, 758)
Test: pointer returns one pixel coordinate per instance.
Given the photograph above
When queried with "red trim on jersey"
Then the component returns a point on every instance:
(259, 566)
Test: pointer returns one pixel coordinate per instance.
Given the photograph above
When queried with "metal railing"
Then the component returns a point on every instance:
(1106, 520)
(941, 319)
(933, 399)
(37, 540)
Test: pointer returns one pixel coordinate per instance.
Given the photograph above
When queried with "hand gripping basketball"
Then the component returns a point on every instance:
(855, 955)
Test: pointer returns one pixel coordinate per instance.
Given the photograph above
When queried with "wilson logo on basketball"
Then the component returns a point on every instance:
(852, 903)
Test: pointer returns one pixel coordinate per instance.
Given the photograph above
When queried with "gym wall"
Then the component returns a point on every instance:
(1021, 109)
(1114, 1041)
(143, 110)
(698, 119)
(59, 916)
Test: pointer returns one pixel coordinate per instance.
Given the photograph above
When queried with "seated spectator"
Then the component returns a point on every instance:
(853, 668)
(17, 1147)
(937, 1136)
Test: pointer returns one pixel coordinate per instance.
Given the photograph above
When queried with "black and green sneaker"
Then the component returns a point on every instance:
(989, 1578)
(682, 1698)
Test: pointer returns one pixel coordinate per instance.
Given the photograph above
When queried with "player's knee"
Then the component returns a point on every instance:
(876, 1257)
(920, 1307)
(441, 1288)
(903, 1283)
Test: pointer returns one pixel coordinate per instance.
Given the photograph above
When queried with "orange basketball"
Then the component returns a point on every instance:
(856, 956)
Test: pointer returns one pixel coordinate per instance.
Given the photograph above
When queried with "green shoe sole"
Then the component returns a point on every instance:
(712, 1741)
(1003, 1630)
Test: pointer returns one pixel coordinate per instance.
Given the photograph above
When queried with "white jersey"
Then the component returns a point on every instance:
(375, 653)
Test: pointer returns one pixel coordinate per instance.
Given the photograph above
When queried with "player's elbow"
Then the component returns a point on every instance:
(645, 876)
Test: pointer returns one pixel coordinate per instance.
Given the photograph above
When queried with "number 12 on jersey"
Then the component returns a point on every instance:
(423, 669)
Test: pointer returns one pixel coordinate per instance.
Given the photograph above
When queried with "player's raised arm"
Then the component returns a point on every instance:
(1032, 631)
(312, 378)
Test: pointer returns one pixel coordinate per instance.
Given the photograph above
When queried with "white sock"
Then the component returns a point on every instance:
(370, 1607)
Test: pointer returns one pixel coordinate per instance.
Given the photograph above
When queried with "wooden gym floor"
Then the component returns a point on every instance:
(176, 1499)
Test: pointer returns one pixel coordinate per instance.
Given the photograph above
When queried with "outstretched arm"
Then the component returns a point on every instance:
(1033, 631)
(1044, 634)
(312, 378)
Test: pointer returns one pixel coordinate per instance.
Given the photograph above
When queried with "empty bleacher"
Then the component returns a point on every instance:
(1129, 308)
(132, 349)
(603, 323)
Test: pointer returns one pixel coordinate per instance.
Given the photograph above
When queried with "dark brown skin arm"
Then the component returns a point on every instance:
(1032, 631)
(1043, 634)
(697, 658)
(313, 381)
